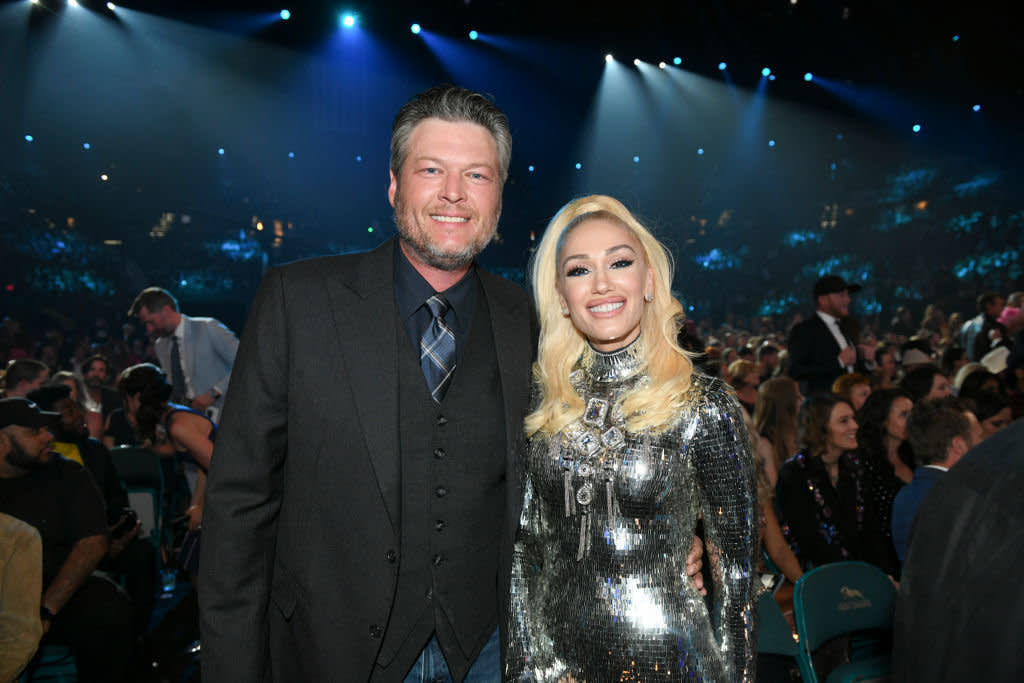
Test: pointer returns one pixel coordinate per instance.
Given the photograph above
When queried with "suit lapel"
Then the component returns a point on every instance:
(363, 310)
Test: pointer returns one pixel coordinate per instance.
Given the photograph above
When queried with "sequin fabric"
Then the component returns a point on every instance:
(599, 592)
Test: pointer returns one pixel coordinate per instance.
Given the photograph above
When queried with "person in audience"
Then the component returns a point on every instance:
(99, 396)
(744, 378)
(767, 360)
(992, 333)
(23, 376)
(854, 387)
(978, 381)
(21, 584)
(129, 557)
(775, 420)
(886, 457)
(926, 383)
(884, 374)
(819, 350)
(93, 419)
(940, 433)
(196, 354)
(172, 430)
(84, 610)
(823, 494)
(992, 410)
(953, 358)
(963, 373)
(959, 604)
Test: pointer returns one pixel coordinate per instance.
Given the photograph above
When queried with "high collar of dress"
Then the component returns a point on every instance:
(615, 365)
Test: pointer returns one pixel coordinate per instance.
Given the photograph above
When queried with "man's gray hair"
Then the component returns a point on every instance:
(450, 103)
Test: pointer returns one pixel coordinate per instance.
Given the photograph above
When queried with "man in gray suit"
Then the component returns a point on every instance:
(197, 354)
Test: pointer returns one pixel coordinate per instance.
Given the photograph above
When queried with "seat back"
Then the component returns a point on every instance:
(774, 636)
(839, 599)
(140, 471)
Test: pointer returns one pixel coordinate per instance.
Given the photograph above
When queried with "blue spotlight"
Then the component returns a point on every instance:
(608, 58)
(578, 165)
(359, 158)
(220, 151)
(286, 15)
(86, 145)
(348, 20)
(771, 77)
(771, 143)
(808, 77)
(415, 28)
(636, 160)
(677, 61)
(839, 136)
(976, 107)
(916, 128)
(29, 138)
(473, 35)
(291, 155)
(530, 168)
(766, 72)
(721, 66)
(700, 151)
(956, 38)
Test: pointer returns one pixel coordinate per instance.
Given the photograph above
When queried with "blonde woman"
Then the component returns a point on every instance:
(628, 447)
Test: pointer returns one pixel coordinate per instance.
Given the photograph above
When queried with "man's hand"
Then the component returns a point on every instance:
(119, 543)
(868, 351)
(203, 401)
(848, 356)
(195, 517)
(694, 564)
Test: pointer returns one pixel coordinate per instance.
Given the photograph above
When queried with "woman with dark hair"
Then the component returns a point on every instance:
(171, 430)
(823, 495)
(993, 411)
(884, 375)
(886, 457)
(627, 448)
(979, 381)
(778, 401)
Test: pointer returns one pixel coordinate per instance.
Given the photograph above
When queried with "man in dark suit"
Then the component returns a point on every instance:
(819, 350)
(355, 511)
(940, 434)
(959, 604)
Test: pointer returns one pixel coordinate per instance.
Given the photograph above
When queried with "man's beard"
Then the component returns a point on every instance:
(419, 242)
(19, 457)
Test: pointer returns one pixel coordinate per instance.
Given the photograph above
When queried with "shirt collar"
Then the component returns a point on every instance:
(829, 320)
(412, 290)
(179, 331)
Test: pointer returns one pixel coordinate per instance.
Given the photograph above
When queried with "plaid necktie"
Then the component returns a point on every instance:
(437, 349)
(177, 374)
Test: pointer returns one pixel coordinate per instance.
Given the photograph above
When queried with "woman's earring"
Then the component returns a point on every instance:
(648, 298)
(565, 312)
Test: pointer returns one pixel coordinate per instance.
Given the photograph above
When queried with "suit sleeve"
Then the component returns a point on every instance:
(806, 361)
(243, 498)
(224, 344)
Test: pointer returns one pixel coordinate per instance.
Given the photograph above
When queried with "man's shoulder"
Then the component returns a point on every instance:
(350, 268)
(501, 286)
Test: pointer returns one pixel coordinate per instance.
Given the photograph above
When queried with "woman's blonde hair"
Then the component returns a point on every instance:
(668, 367)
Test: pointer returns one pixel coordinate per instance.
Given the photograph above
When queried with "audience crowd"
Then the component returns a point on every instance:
(846, 446)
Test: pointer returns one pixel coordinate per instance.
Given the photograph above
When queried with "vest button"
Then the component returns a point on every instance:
(391, 556)
(376, 631)
(440, 524)
(439, 453)
(438, 560)
(441, 491)
(442, 420)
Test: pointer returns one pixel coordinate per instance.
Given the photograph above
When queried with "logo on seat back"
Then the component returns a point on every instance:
(852, 598)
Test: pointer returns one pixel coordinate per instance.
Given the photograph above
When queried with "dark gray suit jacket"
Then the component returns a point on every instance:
(301, 524)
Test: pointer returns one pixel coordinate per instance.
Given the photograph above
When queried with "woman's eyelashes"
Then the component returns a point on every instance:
(577, 271)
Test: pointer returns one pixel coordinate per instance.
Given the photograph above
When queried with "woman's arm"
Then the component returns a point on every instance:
(190, 432)
(775, 544)
(725, 474)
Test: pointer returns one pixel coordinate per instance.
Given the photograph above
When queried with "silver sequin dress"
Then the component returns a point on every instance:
(599, 590)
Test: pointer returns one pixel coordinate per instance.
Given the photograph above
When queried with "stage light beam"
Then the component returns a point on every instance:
(285, 15)
(916, 128)
(677, 61)
(608, 58)
(473, 35)
(808, 77)
(348, 20)
(722, 66)
(976, 108)
(766, 72)
(416, 28)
